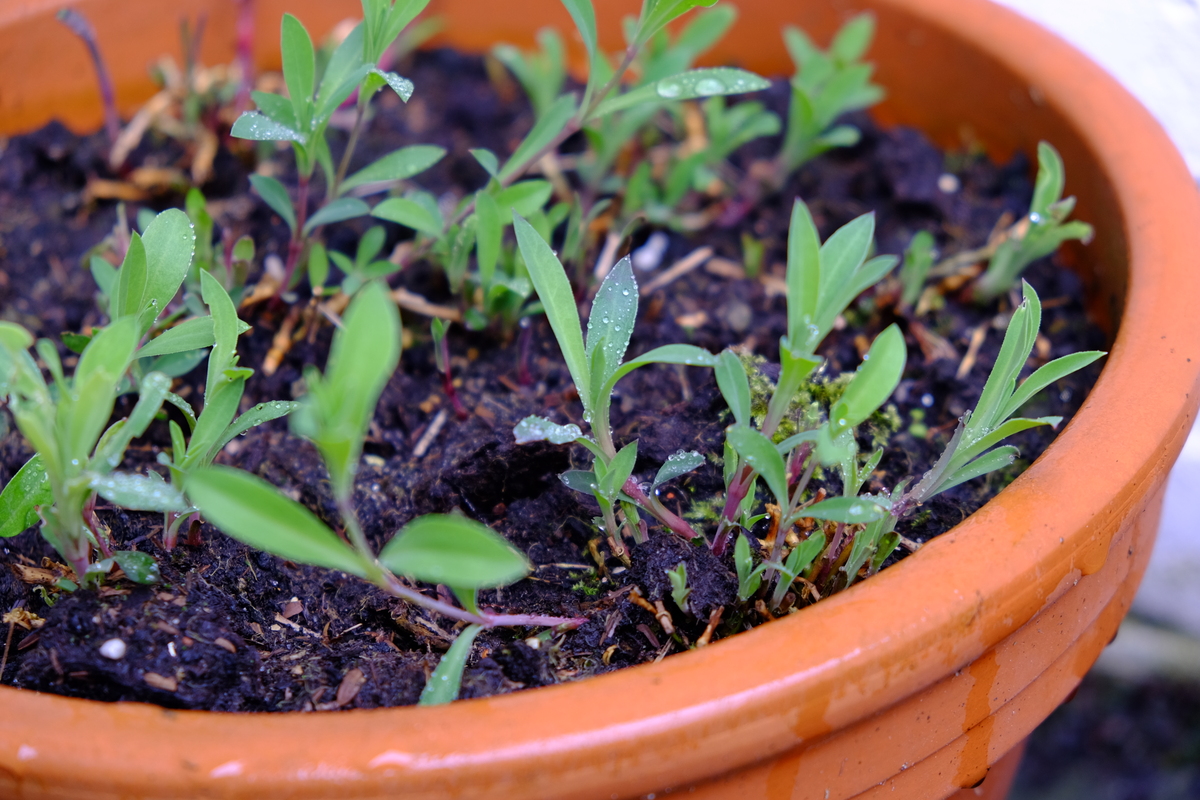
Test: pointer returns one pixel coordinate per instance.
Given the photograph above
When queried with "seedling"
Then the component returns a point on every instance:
(822, 280)
(441, 549)
(595, 367)
(215, 426)
(974, 449)
(303, 117)
(65, 425)
(1039, 233)
(441, 354)
(827, 84)
(680, 591)
(918, 259)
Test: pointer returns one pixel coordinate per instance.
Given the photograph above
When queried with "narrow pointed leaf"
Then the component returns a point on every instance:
(844, 509)
(254, 512)
(554, 291)
(396, 166)
(680, 463)
(25, 492)
(261, 128)
(410, 214)
(191, 334)
(548, 126)
(610, 324)
(759, 452)
(341, 209)
(446, 681)
(734, 385)
(138, 492)
(540, 429)
(453, 550)
(275, 195)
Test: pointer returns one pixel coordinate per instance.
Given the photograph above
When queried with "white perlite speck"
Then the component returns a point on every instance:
(113, 649)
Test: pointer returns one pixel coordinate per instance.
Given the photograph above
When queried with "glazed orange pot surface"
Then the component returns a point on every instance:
(907, 686)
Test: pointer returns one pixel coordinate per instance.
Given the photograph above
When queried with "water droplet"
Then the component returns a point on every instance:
(625, 293)
(669, 90)
(842, 422)
(1034, 217)
(709, 86)
(927, 400)
(856, 509)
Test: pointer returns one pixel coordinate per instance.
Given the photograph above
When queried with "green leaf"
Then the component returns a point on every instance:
(686, 354)
(540, 429)
(525, 198)
(339, 406)
(105, 275)
(254, 512)
(299, 67)
(1047, 374)
(402, 86)
(226, 329)
(396, 166)
(487, 159)
(580, 480)
(749, 578)
(853, 39)
(610, 324)
(343, 208)
(275, 196)
(261, 128)
(152, 391)
(554, 291)
(734, 385)
(138, 567)
(410, 214)
(263, 412)
(75, 342)
(83, 415)
(191, 334)
(759, 452)
(445, 682)
(803, 279)
(991, 461)
(277, 107)
(138, 492)
(28, 489)
(453, 550)
(680, 463)
(544, 131)
(343, 73)
(657, 14)
(170, 242)
(489, 237)
(1051, 178)
(873, 383)
(131, 280)
(707, 82)
(844, 509)
(619, 470)
(584, 16)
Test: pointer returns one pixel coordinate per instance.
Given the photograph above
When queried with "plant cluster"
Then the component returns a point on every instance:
(173, 302)
(815, 544)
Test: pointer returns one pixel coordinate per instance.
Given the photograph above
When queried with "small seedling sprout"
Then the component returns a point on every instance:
(442, 549)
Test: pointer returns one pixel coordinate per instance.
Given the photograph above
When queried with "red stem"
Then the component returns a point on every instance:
(82, 28)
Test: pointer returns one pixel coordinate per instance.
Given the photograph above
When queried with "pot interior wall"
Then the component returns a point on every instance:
(952, 87)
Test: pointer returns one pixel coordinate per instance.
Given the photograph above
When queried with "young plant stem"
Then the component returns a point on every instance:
(82, 28)
(93, 524)
(351, 144)
(296, 245)
(673, 522)
(836, 545)
(614, 531)
(460, 410)
(390, 584)
(245, 53)
(524, 352)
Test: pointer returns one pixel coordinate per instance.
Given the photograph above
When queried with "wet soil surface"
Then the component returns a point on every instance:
(233, 629)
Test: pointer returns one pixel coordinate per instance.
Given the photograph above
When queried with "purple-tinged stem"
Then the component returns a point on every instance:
(245, 53)
(296, 245)
(525, 352)
(484, 618)
(460, 410)
(80, 26)
(93, 523)
(674, 523)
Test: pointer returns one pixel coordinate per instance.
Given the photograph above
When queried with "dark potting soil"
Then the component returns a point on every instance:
(234, 629)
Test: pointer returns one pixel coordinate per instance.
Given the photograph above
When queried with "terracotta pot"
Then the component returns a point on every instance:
(911, 684)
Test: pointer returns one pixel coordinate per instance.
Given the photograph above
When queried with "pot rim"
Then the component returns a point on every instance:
(844, 658)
